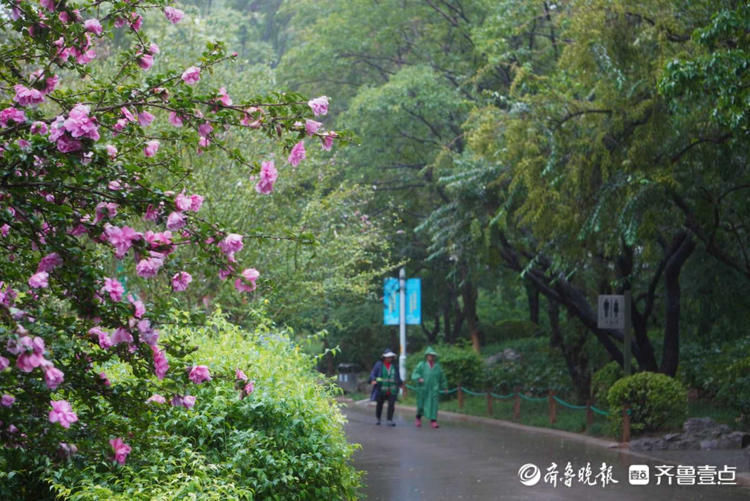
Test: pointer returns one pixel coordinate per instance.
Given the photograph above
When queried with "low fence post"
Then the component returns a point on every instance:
(489, 403)
(626, 424)
(403, 390)
(589, 415)
(517, 404)
(552, 407)
(460, 397)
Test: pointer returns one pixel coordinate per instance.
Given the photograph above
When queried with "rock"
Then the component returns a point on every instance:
(707, 445)
(508, 354)
(696, 425)
(671, 436)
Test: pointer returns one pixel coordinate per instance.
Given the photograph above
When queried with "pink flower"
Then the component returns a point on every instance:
(39, 280)
(199, 373)
(151, 214)
(319, 105)
(156, 398)
(196, 201)
(248, 389)
(127, 114)
(224, 98)
(103, 338)
(121, 238)
(4, 230)
(104, 378)
(176, 220)
(224, 274)
(79, 124)
(239, 375)
(49, 262)
(53, 377)
(175, 119)
(161, 241)
(111, 151)
(249, 275)
(182, 202)
(151, 148)
(148, 335)
(205, 129)
(11, 113)
(136, 20)
(121, 450)
(39, 128)
(328, 141)
(192, 75)
(311, 126)
(180, 281)
(103, 210)
(145, 118)
(145, 61)
(62, 413)
(232, 243)
(140, 309)
(7, 400)
(114, 288)
(173, 15)
(68, 145)
(27, 97)
(4, 363)
(122, 335)
(160, 362)
(188, 401)
(149, 267)
(93, 26)
(268, 175)
(297, 154)
(48, 4)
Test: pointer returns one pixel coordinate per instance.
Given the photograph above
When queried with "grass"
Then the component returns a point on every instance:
(537, 413)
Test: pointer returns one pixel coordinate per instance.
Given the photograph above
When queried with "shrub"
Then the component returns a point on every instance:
(655, 401)
(283, 441)
(734, 389)
(461, 364)
(539, 369)
(602, 381)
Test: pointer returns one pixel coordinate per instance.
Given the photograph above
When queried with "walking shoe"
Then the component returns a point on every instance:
(391, 423)
(434, 424)
(418, 423)
(378, 422)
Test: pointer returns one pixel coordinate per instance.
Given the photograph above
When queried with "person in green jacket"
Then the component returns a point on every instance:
(430, 380)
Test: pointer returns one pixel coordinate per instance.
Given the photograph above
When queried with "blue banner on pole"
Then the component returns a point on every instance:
(390, 302)
(414, 301)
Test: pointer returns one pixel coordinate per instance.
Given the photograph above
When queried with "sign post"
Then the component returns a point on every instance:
(614, 313)
(402, 306)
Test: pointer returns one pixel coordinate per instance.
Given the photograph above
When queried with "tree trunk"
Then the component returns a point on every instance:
(470, 294)
(684, 246)
(575, 356)
(532, 294)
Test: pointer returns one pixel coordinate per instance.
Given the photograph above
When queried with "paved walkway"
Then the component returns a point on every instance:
(475, 459)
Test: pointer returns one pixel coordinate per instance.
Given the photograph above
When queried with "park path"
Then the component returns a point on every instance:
(479, 461)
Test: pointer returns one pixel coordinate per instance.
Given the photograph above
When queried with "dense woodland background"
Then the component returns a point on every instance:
(519, 157)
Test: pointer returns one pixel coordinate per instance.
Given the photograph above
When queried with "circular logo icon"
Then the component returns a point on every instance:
(529, 474)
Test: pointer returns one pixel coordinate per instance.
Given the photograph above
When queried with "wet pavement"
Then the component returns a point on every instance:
(481, 461)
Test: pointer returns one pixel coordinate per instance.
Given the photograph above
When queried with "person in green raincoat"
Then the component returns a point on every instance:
(430, 380)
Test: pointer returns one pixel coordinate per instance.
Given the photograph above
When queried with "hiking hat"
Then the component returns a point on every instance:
(387, 353)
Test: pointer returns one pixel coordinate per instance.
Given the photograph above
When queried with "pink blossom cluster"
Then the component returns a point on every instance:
(67, 132)
(199, 374)
(268, 175)
(121, 449)
(62, 413)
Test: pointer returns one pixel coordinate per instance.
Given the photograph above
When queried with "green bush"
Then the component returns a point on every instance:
(602, 381)
(461, 364)
(506, 330)
(539, 369)
(655, 400)
(734, 389)
(284, 441)
(704, 367)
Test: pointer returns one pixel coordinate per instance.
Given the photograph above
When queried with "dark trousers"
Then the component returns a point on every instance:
(382, 397)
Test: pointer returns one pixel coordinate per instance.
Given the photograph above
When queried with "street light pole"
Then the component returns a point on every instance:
(402, 323)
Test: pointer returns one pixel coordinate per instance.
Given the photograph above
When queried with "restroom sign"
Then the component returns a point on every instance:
(611, 312)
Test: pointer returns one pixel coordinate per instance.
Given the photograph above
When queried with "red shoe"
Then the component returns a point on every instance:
(418, 423)
(434, 424)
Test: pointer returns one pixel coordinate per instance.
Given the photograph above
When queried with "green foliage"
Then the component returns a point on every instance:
(460, 363)
(284, 441)
(734, 388)
(602, 380)
(655, 401)
(538, 370)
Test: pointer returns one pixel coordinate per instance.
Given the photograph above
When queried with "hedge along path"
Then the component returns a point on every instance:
(552, 400)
